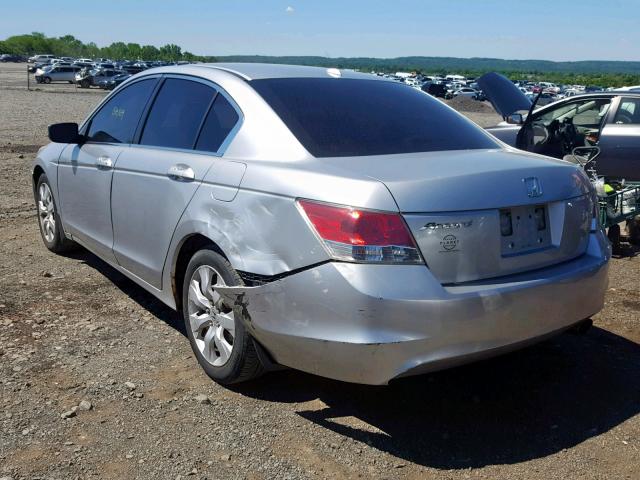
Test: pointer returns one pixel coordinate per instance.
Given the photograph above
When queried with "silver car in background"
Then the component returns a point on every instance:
(326, 220)
(57, 73)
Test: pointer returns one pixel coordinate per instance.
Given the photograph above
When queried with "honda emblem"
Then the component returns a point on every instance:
(534, 187)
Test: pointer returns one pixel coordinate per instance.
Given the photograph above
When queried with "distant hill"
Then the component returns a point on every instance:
(450, 64)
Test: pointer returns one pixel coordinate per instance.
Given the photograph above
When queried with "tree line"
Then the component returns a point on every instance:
(69, 46)
(592, 72)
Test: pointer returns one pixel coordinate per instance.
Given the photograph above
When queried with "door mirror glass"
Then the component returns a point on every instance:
(515, 119)
(64, 133)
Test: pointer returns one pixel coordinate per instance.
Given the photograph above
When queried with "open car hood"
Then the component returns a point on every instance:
(505, 97)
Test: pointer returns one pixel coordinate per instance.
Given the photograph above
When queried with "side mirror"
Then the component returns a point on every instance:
(515, 119)
(64, 133)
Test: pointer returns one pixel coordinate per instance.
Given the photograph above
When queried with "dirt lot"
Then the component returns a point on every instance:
(73, 329)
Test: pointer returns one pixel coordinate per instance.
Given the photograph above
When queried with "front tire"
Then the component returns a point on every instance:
(47, 80)
(220, 342)
(48, 219)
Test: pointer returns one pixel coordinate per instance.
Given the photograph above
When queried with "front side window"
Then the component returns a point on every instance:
(584, 114)
(117, 120)
(177, 113)
(628, 112)
(355, 117)
(219, 122)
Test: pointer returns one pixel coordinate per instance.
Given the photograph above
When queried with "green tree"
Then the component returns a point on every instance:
(134, 51)
(149, 52)
(170, 52)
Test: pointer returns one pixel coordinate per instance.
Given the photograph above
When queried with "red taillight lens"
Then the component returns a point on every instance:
(362, 235)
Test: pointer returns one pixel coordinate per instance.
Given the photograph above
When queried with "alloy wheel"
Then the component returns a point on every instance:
(46, 212)
(212, 323)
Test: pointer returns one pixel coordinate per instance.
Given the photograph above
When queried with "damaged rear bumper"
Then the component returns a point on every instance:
(372, 323)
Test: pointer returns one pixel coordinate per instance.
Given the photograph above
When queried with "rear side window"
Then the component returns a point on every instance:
(353, 117)
(177, 113)
(117, 120)
(219, 122)
(628, 112)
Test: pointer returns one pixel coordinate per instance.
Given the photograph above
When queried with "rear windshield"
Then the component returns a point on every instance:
(352, 117)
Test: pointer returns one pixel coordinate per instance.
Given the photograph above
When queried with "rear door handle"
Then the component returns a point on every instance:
(181, 172)
(104, 163)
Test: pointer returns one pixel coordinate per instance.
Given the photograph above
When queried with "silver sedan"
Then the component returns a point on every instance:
(322, 219)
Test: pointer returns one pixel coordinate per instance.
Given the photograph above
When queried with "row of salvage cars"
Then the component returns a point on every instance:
(84, 77)
(326, 220)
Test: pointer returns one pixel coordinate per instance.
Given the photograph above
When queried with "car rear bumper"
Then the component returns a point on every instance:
(372, 323)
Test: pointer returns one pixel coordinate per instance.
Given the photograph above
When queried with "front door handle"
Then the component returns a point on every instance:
(181, 172)
(104, 163)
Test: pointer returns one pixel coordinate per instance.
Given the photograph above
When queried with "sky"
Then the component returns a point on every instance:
(517, 29)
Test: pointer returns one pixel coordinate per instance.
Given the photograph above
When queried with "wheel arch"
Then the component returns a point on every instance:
(37, 172)
(187, 248)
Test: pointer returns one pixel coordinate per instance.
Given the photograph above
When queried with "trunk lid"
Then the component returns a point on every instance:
(456, 203)
(505, 97)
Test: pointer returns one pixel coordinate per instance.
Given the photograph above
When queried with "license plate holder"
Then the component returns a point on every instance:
(529, 229)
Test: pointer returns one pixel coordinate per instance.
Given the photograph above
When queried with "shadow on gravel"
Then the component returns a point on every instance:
(513, 408)
(132, 290)
(509, 409)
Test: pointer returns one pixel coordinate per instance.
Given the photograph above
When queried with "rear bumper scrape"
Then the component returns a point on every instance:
(372, 323)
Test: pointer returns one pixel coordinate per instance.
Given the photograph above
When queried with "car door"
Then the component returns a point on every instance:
(66, 74)
(95, 79)
(620, 142)
(154, 181)
(56, 74)
(556, 130)
(85, 170)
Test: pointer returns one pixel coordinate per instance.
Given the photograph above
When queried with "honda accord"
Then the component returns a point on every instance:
(331, 221)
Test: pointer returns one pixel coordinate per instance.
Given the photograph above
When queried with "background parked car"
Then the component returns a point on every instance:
(39, 66)
(110, 83)
(608, 120)
(86, 77)
(57, 73)
(41, 58)
(11, 58)
(466, 92)
(435, 89)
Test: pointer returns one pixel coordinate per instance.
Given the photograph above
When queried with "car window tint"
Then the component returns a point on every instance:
(220, 121)
(177, 113)
(628, 112)
(354, 117)
(117, 120)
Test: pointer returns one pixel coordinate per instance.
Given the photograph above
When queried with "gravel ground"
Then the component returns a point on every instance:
(97, 379)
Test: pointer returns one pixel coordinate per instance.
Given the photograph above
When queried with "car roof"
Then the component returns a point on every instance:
(626, 93)
(259, 71)
(608, 93)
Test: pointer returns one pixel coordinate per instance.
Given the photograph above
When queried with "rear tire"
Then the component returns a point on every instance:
(220, 342)
(48, 219)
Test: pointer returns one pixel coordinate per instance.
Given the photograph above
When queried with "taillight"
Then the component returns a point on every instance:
(357, 235)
